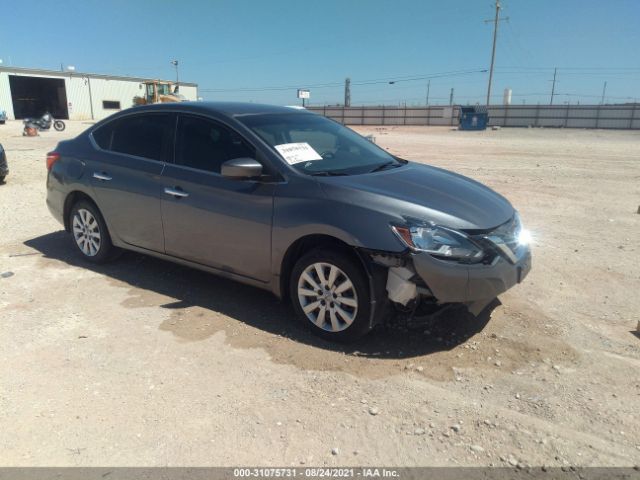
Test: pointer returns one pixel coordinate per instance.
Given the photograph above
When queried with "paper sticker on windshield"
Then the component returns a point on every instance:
(297, 152)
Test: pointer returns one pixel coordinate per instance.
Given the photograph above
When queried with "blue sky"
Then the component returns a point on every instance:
(262, 50)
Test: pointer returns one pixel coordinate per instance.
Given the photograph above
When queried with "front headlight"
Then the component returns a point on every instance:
(441, 242)
(523, 236)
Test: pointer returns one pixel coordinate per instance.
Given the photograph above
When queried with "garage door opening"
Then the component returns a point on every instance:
(33, 96)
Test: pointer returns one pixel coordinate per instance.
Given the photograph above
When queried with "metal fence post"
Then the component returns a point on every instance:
(428, 116)
(633, 116)
(536, 123)
(566, 117)
(343, 115)
(598, 116)
(383, 114)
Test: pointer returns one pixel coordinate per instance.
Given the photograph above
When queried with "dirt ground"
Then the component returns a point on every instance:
(142, 362)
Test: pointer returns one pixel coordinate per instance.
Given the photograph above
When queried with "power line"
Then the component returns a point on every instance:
(569, 68)
(391, 80)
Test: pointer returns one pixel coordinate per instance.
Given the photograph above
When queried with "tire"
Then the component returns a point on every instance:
(59, 125)
(2, 177)
(89, 233)
(344, 300)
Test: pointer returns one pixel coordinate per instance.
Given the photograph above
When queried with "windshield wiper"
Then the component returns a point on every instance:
(385, 165)
(328, 173)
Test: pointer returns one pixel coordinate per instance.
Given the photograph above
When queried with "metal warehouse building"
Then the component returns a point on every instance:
(26, 92)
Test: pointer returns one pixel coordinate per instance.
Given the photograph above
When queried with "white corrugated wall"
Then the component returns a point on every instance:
(81, 88)
(5, 95)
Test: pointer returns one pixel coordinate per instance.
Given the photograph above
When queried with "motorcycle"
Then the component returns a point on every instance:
(34, 125)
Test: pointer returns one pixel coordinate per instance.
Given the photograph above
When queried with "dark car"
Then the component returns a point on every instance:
(288, 201)
(4, 166)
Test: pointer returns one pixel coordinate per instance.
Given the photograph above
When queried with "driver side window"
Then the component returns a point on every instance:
(206, 145)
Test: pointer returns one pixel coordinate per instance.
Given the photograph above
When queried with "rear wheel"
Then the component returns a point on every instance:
(90, 233)
(59, 125)
(330, 295)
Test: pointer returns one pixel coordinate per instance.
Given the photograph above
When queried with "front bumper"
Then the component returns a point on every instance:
(451, 282)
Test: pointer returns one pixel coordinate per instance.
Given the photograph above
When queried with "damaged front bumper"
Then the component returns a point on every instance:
(473, 285)
(423, 276)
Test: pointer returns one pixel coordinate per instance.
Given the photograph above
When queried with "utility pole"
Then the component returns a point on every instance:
(347, 92)
(493, 50)
(428, 88)
(175, 64)
(604, 91)
(451, 97)
(88, 82)
(553, 87)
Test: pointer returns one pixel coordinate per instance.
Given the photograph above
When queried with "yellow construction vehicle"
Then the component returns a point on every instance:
(158, 91)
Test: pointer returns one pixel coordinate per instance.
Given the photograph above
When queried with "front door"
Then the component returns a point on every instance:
(209, 219)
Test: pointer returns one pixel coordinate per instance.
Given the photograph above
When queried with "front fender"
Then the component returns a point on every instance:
(297, 214)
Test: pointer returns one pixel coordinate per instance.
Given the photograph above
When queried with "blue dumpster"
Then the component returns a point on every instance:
(474, 118)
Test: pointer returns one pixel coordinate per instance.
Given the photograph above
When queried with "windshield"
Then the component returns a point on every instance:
(315, 145)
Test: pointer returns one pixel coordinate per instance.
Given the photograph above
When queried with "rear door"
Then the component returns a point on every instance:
(209, 219)
(132, 154)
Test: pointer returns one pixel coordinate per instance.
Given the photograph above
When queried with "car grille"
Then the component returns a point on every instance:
(502, 240)
(508, 233)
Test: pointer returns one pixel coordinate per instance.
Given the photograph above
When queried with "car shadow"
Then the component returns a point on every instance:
(260, 309)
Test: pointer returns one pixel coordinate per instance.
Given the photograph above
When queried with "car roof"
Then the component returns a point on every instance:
(231, 109)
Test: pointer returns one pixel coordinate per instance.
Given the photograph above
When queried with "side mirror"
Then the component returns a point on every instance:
(240, 168)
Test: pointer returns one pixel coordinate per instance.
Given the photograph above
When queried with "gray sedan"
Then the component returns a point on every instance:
(288, 201)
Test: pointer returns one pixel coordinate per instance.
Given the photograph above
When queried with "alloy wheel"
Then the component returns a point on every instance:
(328, 297)
(86, 232)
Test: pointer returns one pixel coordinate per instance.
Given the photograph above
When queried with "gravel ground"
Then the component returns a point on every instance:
(145, 363)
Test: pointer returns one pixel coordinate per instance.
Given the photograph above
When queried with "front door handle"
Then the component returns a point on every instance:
(101, 176)
(175, 192)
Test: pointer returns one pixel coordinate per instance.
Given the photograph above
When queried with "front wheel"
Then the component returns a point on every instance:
(330, 295)
(59, 125)
(90, 234)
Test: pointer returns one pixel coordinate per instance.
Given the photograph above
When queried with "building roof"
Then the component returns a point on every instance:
(56, 73)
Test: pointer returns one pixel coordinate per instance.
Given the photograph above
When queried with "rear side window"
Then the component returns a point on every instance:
(147, 136)
(206, 145)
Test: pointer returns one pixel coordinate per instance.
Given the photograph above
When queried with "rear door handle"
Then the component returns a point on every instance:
(175, 192)
(101, 176)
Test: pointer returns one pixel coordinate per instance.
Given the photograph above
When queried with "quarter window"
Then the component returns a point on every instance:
(147, 136)
(206, 145)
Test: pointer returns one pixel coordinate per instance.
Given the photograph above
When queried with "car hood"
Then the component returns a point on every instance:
(422, 192)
